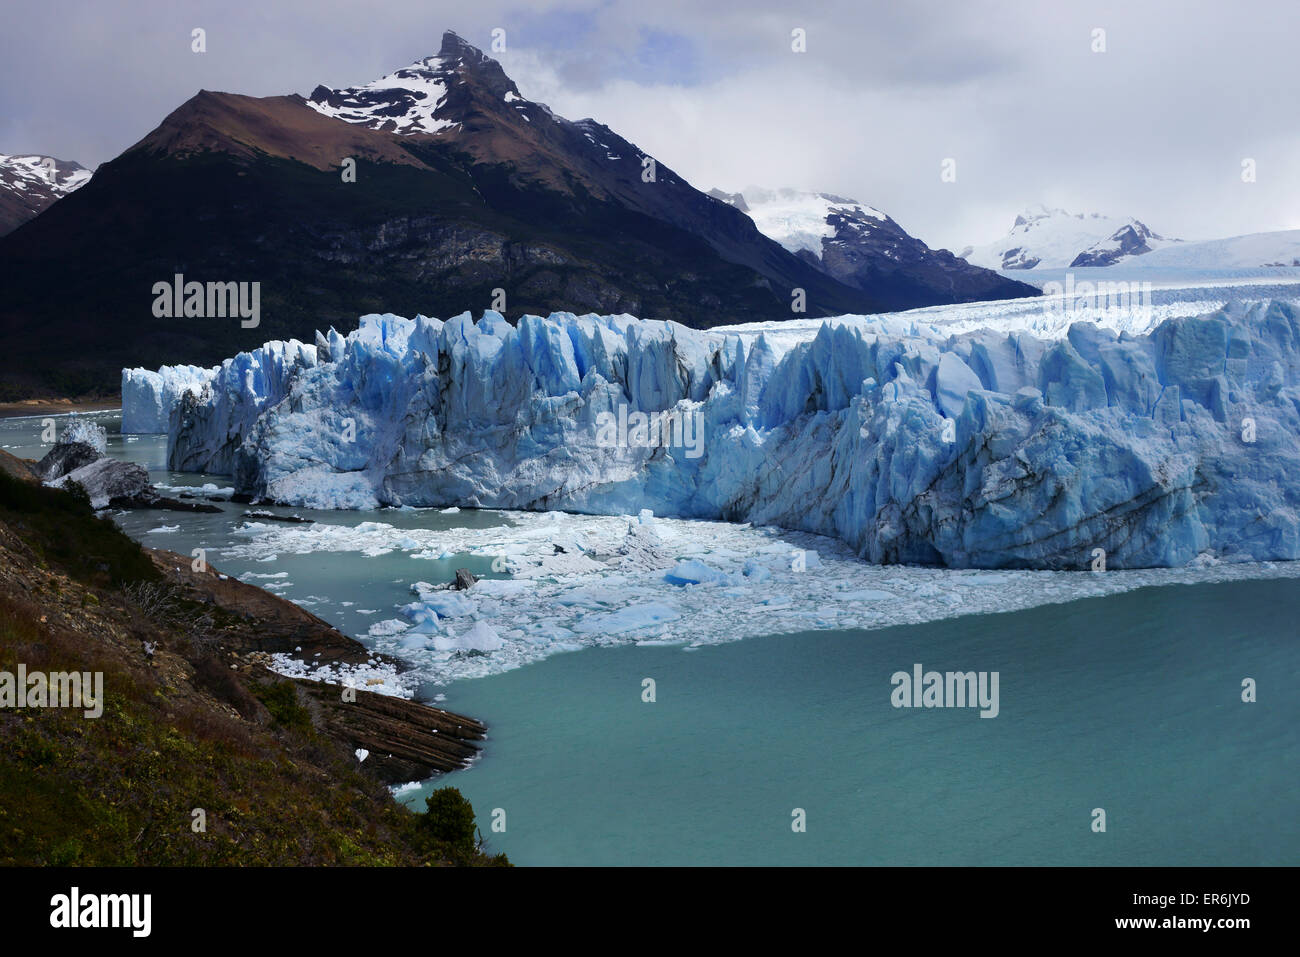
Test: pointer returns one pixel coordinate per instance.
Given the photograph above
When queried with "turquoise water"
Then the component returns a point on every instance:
(1131, 703)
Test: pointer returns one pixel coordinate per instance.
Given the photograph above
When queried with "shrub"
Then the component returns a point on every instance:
(216, 678)
(449, 818)
(62, 529)
(281, 699)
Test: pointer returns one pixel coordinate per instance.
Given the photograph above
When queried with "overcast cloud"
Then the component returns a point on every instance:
(1155, 127)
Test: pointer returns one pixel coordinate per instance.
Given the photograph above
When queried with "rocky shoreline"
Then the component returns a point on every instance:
(403, 740)
(21, 408)
(406, 740)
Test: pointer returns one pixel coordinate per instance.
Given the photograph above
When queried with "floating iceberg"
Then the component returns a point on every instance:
(692, 571)
(986, 449)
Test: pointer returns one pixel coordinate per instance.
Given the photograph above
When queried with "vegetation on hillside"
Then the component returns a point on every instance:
(191, 762)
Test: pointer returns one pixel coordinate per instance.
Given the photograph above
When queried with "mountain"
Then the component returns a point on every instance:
(30, 183)
(1131, 239)
(864, 248)
(731, 199)
(462, 187)
(1056, 239)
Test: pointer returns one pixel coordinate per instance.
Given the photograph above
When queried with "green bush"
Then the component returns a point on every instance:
(281, 699)
(449, 818)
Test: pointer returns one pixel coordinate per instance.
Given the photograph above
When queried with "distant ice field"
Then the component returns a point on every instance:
(1174, 292)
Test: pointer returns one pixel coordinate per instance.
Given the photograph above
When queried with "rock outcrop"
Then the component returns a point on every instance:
(65, 457)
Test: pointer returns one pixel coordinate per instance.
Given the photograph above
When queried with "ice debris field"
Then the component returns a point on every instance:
(580, 581)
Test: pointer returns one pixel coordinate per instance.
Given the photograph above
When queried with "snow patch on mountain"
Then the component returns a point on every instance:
(863, 247)
(405, 101)
(1129, 241)
(31, 182)
(33, 171)
(799, 219)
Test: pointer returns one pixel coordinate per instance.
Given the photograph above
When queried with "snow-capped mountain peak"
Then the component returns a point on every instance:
(62, 176)
(405, 101)
(1036, 214)
(1131, 239)
(1055, 238)
(463, 91)
(30, 182)
(424, 97)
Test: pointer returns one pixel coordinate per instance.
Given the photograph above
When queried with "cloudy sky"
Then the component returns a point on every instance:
(1157, 126)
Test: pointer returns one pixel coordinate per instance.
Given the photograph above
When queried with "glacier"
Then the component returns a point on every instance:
(148, 397)
(909, 443)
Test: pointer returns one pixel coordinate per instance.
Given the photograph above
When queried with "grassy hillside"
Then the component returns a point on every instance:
(179, 731)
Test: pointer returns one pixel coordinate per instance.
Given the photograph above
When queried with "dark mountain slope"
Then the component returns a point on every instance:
(462, 188)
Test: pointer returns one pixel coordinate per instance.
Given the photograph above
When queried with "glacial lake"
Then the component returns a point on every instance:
(1130, 702)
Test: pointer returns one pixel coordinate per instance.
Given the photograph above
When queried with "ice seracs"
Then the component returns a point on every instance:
(984, 449)
(262, 375)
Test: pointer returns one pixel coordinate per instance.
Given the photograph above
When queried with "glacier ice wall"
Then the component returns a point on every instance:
(986, 449)
(214, 422)
(148, 397)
